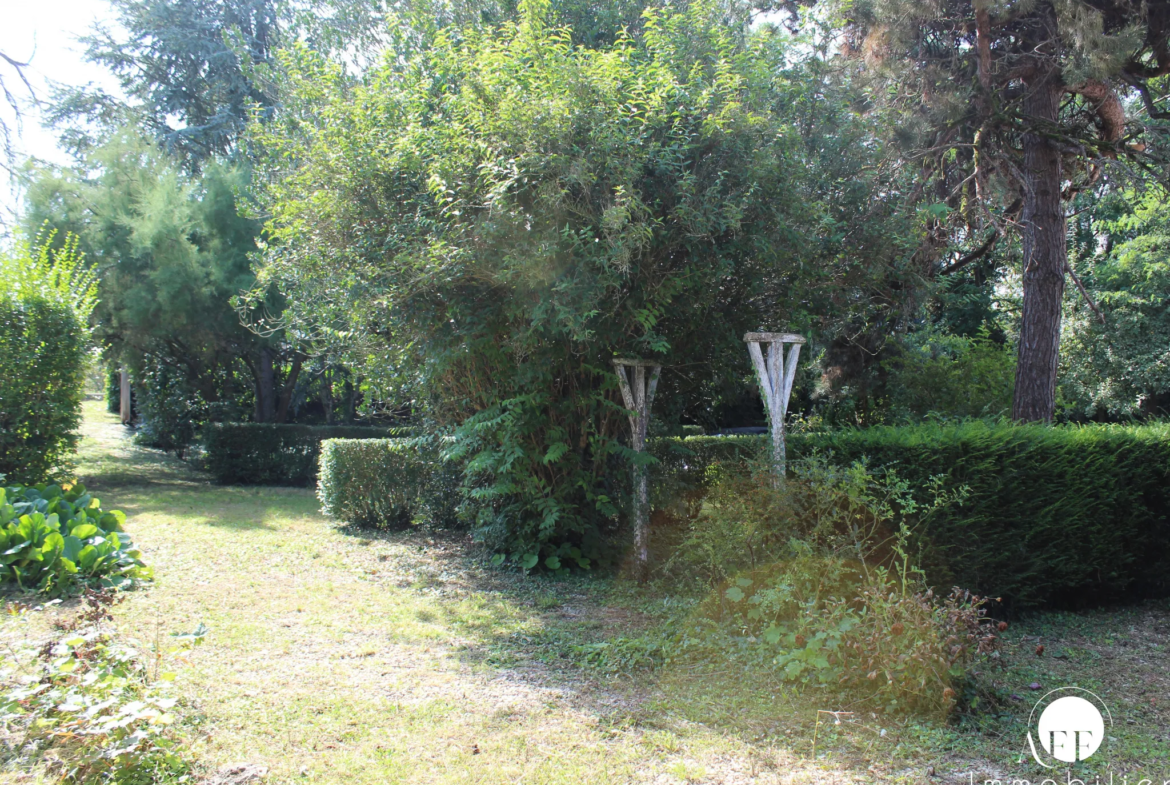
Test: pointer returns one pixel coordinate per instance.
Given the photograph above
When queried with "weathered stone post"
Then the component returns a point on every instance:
(776, 374)
(638, 395)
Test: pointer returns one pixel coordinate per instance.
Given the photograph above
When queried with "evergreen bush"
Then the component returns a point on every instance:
(388, 483)
(1063, 516)
(270, 454)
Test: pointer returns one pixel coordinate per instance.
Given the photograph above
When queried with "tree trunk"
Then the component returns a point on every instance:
(266, 386)
(327, 402)
(1045, 252)
(351, 395)
(290, 385)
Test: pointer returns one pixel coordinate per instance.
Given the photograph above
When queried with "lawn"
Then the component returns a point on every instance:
(339, 656)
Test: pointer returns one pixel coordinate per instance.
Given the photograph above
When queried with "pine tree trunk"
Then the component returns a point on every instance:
(1045, 254)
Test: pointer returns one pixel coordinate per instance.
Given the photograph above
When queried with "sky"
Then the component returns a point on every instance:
(44, 33)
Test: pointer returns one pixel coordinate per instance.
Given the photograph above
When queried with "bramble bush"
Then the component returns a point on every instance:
(57, 540)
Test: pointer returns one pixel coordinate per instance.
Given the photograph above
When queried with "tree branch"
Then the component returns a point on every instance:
(1084, 292)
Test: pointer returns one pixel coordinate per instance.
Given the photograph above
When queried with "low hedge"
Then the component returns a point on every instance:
(1054, 516)
(268, 454)
(387, 483)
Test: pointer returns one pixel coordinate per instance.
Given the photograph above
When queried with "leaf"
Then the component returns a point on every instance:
(498, 559)
(85, 531)
(553, 563)
(735, 594)
(529, 561)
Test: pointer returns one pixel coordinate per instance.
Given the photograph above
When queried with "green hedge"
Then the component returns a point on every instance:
(387, 483)
(44, 345)
(1055, 516)
(267, 454)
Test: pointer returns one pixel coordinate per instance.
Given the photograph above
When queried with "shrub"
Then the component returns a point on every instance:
(57, 540)
(269, 454)
(84, 707)
(113, 390)
(1052, 516)
(45, 301)
(1067, 515)
(387, 482)
(171, 411)
(950, 376)
(828, 593)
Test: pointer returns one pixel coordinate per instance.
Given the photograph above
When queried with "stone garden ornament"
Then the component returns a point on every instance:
(638, 380)
(776, 373)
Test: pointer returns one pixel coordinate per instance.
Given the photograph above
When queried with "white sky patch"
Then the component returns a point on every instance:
(44, 33)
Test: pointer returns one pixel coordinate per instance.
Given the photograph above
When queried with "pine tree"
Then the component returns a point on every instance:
(1009, 109)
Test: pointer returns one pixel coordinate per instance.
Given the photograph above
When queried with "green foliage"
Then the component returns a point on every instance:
(1052, 516)
(1120, 368)
(45, 300)
(171, 411)
(113, 390)
(814, 576)
(505, 211)
(56, 541)
(174, 252)
(269, 454)
(950, 376)
(1041, 516)
(388, 483)
(85, 707)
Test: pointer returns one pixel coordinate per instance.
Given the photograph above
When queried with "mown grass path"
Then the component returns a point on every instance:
(354, 658)
(349, 657)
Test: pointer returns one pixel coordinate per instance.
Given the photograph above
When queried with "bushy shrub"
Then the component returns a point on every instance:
(949, 376)
(45, 301)
(1052, 515)
(84, 707)
(58, 540)
(388, 483)
(269, 454)
(1068, 515)
(171, 411)
(815, 577)
(113, 390)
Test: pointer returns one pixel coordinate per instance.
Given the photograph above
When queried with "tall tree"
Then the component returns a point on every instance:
(1008, 110)
(507, 210)
(189, 65)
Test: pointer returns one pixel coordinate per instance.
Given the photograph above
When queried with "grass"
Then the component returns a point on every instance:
(354, 657)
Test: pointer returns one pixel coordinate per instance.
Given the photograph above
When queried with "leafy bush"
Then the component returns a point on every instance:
(1066, 515)
(84, 707)
(171, 411)
(45, 300)
(387, 482)
(269, 454)
(1051, 516)
(57, 540)
(950, 376)
(815, 577)
(113, 390)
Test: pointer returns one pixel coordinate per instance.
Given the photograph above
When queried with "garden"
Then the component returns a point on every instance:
(558, 391)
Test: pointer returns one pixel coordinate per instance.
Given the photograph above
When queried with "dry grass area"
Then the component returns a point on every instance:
(348, 657)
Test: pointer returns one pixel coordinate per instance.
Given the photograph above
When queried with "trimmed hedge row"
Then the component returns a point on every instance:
(1054, 516)
(387, 483)
(268, 454)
